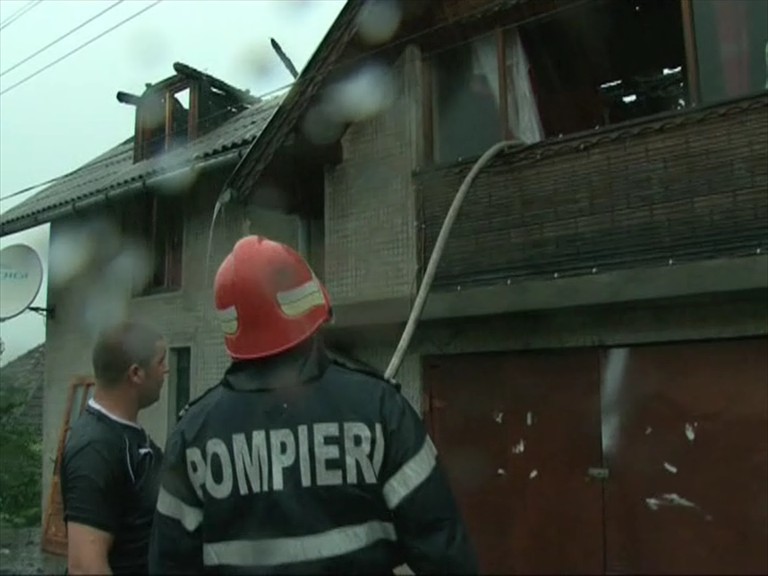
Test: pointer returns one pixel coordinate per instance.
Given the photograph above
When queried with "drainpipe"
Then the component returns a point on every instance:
(82, 205)
(437, 253)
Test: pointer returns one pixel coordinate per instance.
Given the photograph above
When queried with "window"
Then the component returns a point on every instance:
(179, 366)
(157, 222)
(586, 66)
(483, 95)
(732, 47)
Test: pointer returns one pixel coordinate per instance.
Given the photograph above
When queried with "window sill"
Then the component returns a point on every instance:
(157, 293)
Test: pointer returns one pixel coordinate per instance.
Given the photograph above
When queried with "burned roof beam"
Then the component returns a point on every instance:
(189, 72)
(128, 98)
(284, 58)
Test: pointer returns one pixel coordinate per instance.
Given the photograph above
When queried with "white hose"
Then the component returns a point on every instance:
(437, 253)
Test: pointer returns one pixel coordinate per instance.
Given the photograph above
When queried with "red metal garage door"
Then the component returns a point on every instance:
(688, 486)
(517, 434)
(684, 431)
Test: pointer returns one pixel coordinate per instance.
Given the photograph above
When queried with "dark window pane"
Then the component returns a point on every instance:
(606, 62)
(466, 107)
(182, 378)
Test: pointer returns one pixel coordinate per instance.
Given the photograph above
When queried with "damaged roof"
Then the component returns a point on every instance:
(115, 172)
(260, 130)
(302, 92)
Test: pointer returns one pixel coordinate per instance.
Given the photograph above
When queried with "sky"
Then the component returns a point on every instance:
(68, 114)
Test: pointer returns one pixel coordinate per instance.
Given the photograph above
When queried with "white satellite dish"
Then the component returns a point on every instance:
(21, 275)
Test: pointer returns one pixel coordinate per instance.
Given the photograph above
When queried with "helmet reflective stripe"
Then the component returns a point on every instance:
(299, 301)
(228, 319)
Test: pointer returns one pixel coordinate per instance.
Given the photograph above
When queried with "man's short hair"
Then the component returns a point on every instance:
(120, 346)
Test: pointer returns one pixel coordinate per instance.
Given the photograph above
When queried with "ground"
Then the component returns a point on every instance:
(20, 551)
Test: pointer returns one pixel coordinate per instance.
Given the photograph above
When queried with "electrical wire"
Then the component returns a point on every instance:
(346, 63)
(80, 47)
(18, 14)
(62, 37)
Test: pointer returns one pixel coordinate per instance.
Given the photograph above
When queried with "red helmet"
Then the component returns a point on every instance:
(268, 299)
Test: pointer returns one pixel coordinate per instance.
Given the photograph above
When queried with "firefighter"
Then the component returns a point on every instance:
(294, 463)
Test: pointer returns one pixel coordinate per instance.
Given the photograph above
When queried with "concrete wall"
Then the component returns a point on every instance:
(185, 317)
(370, 222)
(732, 315)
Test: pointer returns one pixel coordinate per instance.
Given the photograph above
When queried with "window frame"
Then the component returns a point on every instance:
(141, 151)
(146, 211)
(173, 388)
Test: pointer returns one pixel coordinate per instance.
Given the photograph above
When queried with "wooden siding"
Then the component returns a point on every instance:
(686, 187)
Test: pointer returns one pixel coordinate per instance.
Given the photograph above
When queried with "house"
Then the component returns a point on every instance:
(593, 358)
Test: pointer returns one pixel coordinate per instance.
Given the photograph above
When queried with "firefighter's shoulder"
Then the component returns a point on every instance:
(201, 400)
(355, 365)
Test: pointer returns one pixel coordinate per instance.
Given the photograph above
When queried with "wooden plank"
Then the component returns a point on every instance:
(54, 539)
(691, 61)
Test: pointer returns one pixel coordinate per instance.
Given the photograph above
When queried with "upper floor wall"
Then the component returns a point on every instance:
(370, 220)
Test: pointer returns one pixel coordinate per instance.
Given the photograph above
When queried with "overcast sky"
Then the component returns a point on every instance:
(68, 114)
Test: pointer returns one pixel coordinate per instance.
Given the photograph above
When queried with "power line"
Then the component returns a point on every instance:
(18, 14)
(346, 63)
(60, 38)
(111, 157)
(77, 49)
(15, 15)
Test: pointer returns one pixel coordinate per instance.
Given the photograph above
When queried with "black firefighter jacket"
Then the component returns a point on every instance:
(303, 465)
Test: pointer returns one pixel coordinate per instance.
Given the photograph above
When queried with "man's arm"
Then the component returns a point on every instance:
(90, 490)
(176, 544)
(426, 517)
(87, 549)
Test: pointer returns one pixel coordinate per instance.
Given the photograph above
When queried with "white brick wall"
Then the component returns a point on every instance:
(370, 223)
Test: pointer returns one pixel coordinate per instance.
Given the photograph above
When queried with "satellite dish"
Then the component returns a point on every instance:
(21, 275)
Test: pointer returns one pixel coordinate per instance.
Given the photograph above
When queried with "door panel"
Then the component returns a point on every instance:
(516, 434)
(688, 487)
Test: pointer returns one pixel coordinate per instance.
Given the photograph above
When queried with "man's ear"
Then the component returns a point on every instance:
(135, 372)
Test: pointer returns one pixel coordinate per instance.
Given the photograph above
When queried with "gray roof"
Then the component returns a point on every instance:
(25, 376)
(115, 170)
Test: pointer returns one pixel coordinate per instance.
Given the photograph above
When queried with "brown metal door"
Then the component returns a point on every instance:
(516, 434)
(687, 433)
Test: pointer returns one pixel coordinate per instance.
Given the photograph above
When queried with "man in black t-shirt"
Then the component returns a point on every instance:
(110, 468)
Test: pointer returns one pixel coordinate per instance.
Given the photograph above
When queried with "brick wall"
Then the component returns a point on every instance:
(370, 240)
(685, 188)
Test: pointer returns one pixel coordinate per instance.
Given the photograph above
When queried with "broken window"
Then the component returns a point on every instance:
(157, 222)
(584, 67)
(732, 47)
(164, 121)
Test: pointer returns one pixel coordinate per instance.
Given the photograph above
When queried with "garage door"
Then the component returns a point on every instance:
(648, 459)
(517, 434)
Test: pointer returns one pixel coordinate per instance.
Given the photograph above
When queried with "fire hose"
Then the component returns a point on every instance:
(437, 253)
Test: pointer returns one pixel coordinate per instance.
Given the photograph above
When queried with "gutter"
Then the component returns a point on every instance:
(78, 206)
